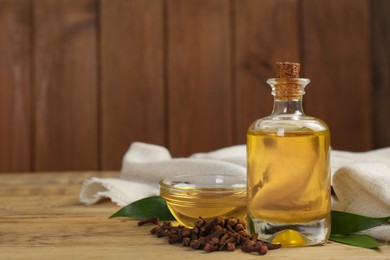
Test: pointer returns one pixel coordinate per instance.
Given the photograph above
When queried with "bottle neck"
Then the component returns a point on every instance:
(288, 106)
(288, 94)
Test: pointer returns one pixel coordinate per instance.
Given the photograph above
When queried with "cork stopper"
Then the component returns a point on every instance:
(287, 84)
(287, 69)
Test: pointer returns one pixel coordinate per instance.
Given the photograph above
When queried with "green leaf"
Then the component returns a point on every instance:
(344, 223)
(356, 240)
(146, 208)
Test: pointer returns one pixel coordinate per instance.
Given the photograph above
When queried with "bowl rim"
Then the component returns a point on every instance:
(214, 189)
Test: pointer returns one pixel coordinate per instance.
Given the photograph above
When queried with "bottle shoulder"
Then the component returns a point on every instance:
(289, 123)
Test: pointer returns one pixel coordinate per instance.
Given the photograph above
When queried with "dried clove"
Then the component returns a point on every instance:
(153, 220)
(195, 244)
(230, 246)
(273, 246)
(199, 222)
(186, 232)
(210, 247)
(186, 241)
(239, 227)
(261, 250)
(217, 235)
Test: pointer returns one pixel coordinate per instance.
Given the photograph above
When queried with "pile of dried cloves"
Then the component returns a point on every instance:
(217, 235)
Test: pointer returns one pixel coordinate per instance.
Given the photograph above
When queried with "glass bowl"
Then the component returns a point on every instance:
(204, 195)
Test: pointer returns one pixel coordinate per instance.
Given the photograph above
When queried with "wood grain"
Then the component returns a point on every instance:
(65, 80)
(41, 218)
(80, 80)
(380, 25)
(265, 32)
(336, 57)
(199, 76)
(132, 80)
(15, 91)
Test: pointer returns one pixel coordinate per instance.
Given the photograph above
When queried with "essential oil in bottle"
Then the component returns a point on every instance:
(288, 170)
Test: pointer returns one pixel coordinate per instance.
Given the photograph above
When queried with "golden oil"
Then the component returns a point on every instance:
(288, 178)
(208, 204)
(206, 196)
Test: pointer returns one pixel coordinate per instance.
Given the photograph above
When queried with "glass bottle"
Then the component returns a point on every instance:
(288, 168)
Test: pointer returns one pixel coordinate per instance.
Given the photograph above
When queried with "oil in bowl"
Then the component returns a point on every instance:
(205, 195)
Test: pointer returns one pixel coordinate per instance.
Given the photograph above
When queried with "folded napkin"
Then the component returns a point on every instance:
(361, 180)
(144, 165)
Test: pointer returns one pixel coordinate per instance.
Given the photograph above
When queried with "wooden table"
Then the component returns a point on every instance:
(41, 218)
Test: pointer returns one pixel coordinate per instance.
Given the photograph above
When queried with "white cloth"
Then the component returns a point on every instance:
(144, 165)
(360, 180)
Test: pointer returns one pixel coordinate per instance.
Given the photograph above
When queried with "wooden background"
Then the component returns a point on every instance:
(82, 79)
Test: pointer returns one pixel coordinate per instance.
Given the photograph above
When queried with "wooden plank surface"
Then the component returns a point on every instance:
(336, 57)
(199, 75)
(15, 91)
(265, 32)
(132, 81)
(380, 24)
(65, 80)
(41, 218)
(82, 79)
